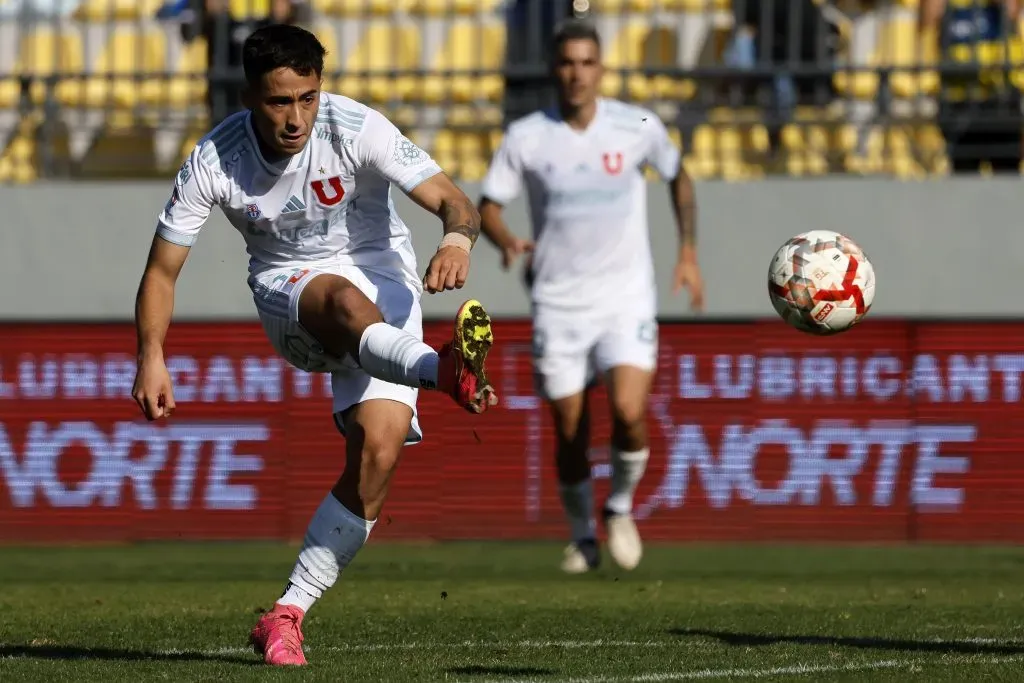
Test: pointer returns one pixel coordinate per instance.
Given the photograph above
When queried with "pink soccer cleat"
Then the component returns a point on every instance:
(460, 369)
(278, 636)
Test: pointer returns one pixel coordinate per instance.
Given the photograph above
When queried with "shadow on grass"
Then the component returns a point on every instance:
(964, 647)
(71, 652)
(479, 670)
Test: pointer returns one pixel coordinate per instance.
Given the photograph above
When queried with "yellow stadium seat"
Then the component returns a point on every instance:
(362, 8)
(696, 6)
(807, 147)
(328, 37)
(404, 116)
(447, 8)
(730, 152)
(444, 151)
(866, 148)
(467, 47)
(930, 140)
(45, 53)
(909, 152)
(383, 47)
(898, 45)
(444, 142)
(471, 148)
(847, 138)
(931, 147)
(10, 93)
(123, 10)
(900, 159)
(624, 52)
(249, 9)
(473, 116)
(115, 80)
(619, 6)
(904, 47)
(18, 160)
(702, 162)
(991, 57)
(186, 87)
(645, 6)
(465, 154)
(638, 45)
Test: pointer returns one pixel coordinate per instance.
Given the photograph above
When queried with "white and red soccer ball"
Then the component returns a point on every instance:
(821, 282)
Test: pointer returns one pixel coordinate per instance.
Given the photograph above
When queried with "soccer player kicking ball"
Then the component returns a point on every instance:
(593, 291)
(305, 176)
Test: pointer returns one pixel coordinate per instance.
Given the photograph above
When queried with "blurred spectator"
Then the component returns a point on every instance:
(979, 111)
(779, 35)
(225, 35)
(530, 26)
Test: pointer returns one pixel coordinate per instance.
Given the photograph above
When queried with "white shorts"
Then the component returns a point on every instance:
(573, 350)
(276, 294)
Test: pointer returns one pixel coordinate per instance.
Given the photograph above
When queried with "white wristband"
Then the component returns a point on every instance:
(454, 239)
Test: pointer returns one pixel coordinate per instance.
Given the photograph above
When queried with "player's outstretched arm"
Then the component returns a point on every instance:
(154, 305)
(449, 267)
(497, 232)
(687, 270)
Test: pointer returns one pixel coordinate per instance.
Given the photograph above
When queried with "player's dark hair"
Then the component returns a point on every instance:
(573, 29)
(281, 46)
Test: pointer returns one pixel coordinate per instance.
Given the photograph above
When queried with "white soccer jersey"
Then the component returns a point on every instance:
(588, 201)
(332, 201)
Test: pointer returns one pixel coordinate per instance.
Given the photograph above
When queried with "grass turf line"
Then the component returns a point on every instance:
(694, 612)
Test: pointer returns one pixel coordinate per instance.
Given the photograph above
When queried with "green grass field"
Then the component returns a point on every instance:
(502, 612)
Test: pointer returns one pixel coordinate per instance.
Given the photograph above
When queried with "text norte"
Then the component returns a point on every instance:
(128, 460)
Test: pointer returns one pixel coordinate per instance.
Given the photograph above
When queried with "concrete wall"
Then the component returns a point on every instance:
(75, 251)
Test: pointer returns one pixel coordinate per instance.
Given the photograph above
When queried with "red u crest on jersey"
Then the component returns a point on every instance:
(337, 191)
(612, 162)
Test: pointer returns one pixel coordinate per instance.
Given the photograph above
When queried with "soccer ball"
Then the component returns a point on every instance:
(821, 282)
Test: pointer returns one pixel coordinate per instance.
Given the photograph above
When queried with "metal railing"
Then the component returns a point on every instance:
(104, 88)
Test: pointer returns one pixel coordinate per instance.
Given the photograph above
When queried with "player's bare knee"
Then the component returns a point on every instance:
(380, 455)
(568, 431)
(629, 426)
(570, 421)
(628, 413)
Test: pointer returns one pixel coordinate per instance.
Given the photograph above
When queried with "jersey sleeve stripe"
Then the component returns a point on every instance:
(352, 114)
(227, 132)
(226, 140)
(341, 123)
(174, 237)
(213, 151)
(410, 185)
(333, 108)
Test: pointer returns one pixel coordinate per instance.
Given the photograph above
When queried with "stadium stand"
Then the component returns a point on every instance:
(118, 87)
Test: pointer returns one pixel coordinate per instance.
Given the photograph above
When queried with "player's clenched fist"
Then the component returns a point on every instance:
(448, 269)
(152, 390)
